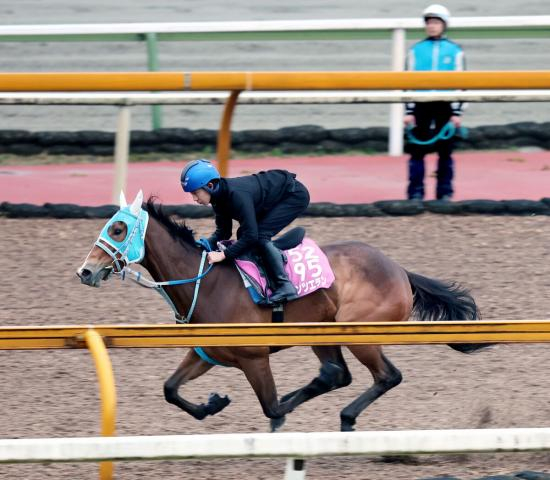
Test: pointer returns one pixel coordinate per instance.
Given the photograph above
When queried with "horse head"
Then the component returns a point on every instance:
(121, 242)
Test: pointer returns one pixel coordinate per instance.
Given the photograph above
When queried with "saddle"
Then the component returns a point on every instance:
(290, 239)
(306, 265)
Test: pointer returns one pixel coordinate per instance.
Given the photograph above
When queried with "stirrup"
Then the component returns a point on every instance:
(285, 297)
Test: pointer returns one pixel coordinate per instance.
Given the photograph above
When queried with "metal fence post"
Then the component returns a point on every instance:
(122, 149)
(395, 141)
(153, 66)
(223, 150)
(295, 469)
(107, 392)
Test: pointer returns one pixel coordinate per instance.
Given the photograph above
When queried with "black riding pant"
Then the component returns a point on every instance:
(281, 215)
(430, 119)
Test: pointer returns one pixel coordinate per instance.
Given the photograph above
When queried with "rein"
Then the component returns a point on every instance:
(132, 250)
(144, 282)
(138, 278)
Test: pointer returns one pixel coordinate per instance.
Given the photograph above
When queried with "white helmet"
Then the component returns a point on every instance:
(437, 11)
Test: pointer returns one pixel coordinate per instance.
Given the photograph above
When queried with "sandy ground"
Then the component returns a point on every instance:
(54, 393)
(223, 56)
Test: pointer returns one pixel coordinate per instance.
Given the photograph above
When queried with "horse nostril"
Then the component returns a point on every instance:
(85, 273)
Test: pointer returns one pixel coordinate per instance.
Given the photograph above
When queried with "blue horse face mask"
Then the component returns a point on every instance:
(132, 248)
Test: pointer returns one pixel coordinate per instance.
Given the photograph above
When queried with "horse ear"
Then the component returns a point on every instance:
(123, 202)
(136, 204)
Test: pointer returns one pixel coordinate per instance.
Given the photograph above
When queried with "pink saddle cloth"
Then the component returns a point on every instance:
(307, 268)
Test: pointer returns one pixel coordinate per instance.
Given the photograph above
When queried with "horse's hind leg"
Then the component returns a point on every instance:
(334, 374)
(385, 375)
(190, 368)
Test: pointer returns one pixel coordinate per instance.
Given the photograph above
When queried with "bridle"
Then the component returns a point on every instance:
(128, 251)
(132, 250)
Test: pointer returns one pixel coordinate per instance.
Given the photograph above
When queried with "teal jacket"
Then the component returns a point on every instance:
(436, 54)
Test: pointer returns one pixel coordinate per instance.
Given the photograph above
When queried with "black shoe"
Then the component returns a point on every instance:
(284, 293)
(274, 264)
(445, 198)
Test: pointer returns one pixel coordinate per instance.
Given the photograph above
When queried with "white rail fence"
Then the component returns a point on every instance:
(127, 100)
(526, 26)
(293, 446)
(536, 26)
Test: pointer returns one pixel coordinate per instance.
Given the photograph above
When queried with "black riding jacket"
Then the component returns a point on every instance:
(247, 200)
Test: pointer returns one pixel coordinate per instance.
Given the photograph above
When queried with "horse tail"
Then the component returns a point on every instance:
(437, 300)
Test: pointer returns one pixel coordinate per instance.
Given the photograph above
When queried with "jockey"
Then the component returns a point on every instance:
(263, 203)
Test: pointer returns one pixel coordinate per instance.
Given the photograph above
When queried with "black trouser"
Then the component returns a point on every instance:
(430, 118)
(281, 215)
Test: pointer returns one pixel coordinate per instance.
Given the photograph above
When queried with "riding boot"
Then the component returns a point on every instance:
(274, 264)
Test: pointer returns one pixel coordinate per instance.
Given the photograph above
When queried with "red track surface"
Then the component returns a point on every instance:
(352, 179)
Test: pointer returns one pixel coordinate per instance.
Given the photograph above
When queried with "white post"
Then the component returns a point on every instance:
(122, 148)
(295, 469)
(395, 142)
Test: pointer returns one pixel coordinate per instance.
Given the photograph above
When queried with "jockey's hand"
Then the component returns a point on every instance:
(215, 257)
(456, 121)
(409, 120)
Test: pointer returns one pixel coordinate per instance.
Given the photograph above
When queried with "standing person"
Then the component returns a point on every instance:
(436, 52)
(263, 203)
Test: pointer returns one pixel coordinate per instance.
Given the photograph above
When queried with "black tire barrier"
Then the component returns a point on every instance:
(376, 209)
(525, 475)
(287, 140)
(55, 210)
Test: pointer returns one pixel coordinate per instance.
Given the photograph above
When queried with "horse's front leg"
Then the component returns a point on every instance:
(190, 368)
(259, 375)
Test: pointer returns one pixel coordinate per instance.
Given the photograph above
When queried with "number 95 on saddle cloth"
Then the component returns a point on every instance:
(307, 268)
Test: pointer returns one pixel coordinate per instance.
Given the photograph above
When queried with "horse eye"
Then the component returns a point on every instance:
(117, 231)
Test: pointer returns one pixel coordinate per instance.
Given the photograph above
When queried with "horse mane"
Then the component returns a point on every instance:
(178, 231)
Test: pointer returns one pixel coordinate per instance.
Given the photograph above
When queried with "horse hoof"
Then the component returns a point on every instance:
(347, 427)
(216, 403)
(277, 423)
(347, 423)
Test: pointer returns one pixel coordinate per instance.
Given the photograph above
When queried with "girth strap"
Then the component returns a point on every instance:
(207, 358)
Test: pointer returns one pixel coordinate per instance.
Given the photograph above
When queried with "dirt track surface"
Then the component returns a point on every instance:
(504, 260)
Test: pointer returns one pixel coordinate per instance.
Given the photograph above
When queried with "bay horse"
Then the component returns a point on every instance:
(368, 287)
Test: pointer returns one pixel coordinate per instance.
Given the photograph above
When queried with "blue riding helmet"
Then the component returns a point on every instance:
(197, 174)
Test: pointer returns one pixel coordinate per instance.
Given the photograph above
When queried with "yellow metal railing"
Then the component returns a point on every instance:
(235, 82)
(262, 81)
(216, 335)
(100, 337)
(223, 151)
(107, 392)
